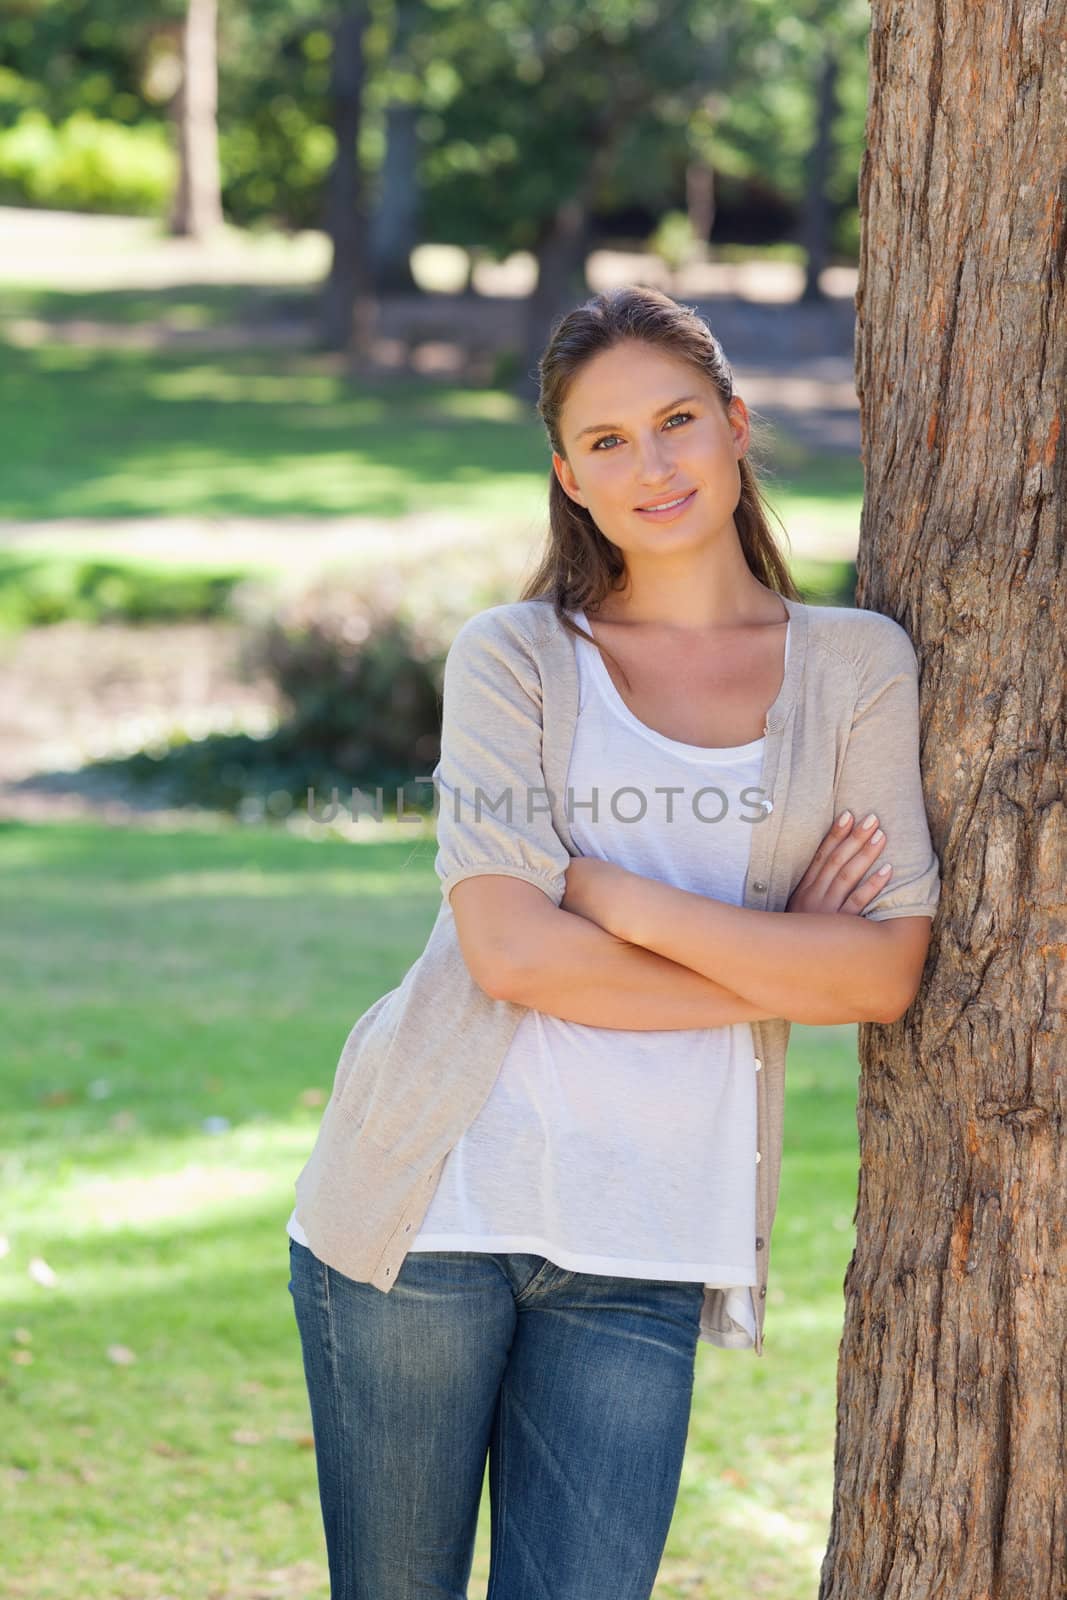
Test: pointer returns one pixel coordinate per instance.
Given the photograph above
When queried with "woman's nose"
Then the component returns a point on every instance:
(654, 461)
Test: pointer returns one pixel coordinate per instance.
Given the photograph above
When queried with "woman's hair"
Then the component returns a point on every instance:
(580, 566)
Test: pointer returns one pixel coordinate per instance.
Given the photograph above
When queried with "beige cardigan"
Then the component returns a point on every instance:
(418, 1065)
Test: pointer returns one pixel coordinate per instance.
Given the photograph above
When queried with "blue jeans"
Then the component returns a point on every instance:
(577, 1386)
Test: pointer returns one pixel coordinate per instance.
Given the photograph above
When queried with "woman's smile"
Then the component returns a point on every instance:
(668, 512)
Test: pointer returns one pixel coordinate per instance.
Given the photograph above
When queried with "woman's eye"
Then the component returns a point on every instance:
(674, 414)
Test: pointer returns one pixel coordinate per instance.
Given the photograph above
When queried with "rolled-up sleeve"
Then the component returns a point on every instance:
(493, 812)
(880, 772)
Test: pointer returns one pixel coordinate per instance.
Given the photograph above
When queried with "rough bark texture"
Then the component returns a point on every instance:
(950, 1459)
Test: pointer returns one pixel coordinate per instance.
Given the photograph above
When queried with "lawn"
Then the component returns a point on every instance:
(97, 432)
(175, 1006)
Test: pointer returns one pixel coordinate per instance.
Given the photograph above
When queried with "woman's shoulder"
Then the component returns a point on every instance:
(514, 622)
(865, 641)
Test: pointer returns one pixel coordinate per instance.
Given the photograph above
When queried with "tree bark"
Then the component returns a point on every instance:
(197, 209)
(347, 304)
(950, 1463)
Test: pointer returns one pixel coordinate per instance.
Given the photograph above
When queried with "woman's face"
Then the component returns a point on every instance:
(641, 425)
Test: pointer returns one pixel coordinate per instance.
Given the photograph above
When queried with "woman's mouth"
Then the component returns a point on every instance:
(667, 513)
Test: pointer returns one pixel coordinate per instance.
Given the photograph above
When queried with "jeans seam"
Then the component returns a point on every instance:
(340, 1427)
(497, 1535)
(543, 1269)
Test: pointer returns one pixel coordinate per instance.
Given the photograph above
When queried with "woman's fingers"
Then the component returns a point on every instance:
(844, 856)
(827, 845)
(866, 847)
(850, 857)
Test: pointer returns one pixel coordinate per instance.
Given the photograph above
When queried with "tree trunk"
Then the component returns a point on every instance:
(950, 1464)
(561, 257)
(395, 227)
(395, 231)
(197, 209)
(347, 302)
(818, 214)
(700, 199)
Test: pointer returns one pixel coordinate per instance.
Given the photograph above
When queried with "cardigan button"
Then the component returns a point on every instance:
(759, 1244)
(763, 1292)
(757, 1063)
(759, 1158)
(758, 885)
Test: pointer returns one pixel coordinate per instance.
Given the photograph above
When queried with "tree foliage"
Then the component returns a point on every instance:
(512, 98)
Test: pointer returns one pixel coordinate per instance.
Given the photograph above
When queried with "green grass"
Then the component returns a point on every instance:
(123, 433)
(93, 433)
(182, 306)
(158, 979)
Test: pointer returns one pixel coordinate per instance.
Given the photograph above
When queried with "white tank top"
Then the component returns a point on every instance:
(620, 1151)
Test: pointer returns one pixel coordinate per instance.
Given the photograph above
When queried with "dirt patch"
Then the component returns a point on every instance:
(75, 691)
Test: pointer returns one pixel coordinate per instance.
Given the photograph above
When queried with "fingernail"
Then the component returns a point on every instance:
(843, 818)
(877, 836)
(868, 820)
(883, 870)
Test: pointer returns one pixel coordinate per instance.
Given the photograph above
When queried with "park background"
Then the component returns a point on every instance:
(268, 439)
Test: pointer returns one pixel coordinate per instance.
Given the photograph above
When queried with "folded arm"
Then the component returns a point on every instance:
(800, 965)
(519, 946)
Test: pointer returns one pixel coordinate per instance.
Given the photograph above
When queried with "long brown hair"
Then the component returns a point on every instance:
(580, 566)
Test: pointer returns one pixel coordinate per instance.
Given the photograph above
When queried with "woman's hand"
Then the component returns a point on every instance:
(596, 890)
(832, 881)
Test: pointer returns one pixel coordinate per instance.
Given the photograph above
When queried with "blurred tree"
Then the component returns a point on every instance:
(395, 217)
(546, 131)
(816, 227)
(197, 210)
(951, 1454)
(347, 307)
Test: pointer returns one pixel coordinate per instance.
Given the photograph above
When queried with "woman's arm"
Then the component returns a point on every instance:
(801, 965)
(576, 970)
(519, 947)
(811, 966)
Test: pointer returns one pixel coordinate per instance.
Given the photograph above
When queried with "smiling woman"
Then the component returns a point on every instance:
(549, 1168)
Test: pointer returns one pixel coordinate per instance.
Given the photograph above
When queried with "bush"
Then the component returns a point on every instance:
(86, 164)
(362, 678)
(361, 681)
(35, 591)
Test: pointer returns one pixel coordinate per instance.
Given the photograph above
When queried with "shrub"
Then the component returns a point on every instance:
(362, 677)
(86, 164)
(35, 591)
(361, 681)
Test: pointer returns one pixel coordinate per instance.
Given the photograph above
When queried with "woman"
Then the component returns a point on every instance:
(549, 1166)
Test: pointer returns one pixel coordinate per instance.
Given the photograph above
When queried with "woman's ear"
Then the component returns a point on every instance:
(562, 468)
(737, 415)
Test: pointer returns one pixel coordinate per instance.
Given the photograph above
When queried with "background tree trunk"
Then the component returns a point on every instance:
(197, 209)
(818, 211)
(951, 1474)
(561, 257)
(395, 220)
(347, 303)
(700, 199)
